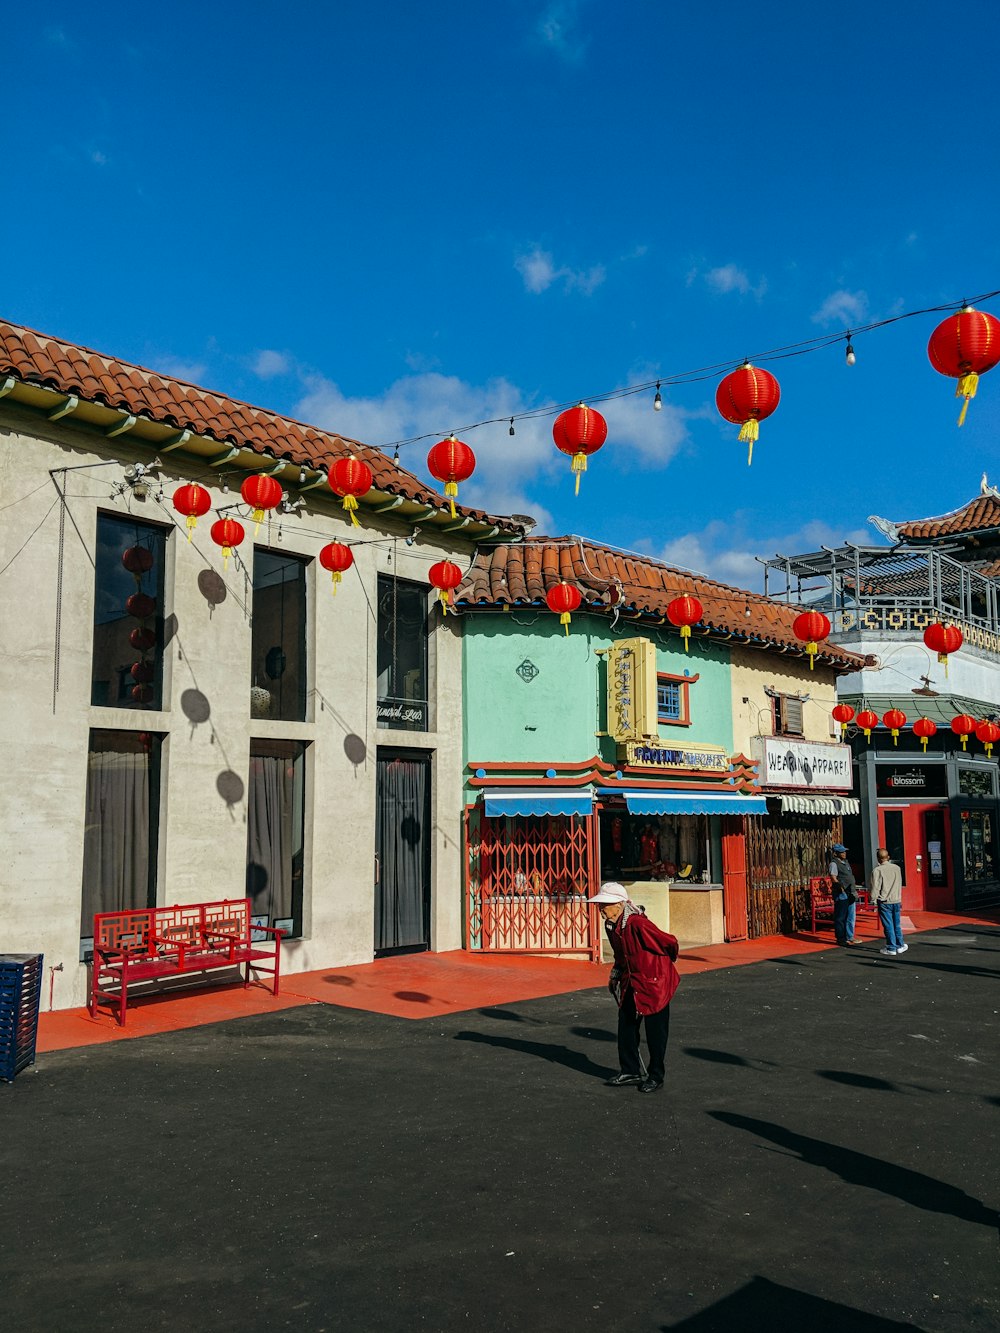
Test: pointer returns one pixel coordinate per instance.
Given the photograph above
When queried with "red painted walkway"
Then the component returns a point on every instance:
(424, 985)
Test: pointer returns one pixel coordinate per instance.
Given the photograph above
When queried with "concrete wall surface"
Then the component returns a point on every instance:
(754, 673)
(47, 591)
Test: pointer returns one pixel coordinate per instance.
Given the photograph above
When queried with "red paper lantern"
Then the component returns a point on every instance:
(963, 726)
(142, 639)
(192, 501)
(227, 533)
(451, 461)
(138, 560)
(925, 729)
(894, 719)
(685, 611)
(867, 721)
(745, 397)
(965, 346)
(843, 713)
(810, 626)
(140, 605)
(261, 494)
(579, 431)
(350, 477)
(336, 557)
(943, 639)
(563, 598)
(445, 576)
(141, 672)
(989, 734)
(141, 693)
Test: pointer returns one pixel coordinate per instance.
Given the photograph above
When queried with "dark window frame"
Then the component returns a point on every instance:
(396, 710)
(112, 581)
(785, 710)
(269, 657)
(683, 683)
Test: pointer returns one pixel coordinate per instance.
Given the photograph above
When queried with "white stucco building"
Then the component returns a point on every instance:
(175, 730)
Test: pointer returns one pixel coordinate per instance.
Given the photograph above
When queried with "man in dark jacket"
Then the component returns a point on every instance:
(643, 981)
(845, 895)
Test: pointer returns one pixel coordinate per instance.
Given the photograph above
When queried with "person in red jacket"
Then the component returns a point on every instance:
(643, 981)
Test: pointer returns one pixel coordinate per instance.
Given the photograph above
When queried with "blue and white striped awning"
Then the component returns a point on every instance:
(538, 801)
(692, 803)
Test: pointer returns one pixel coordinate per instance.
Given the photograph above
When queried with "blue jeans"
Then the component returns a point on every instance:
(890, 916)
(843, 918)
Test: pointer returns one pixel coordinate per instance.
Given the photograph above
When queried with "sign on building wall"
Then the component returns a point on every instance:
(656, 754)
(632, 690)
(788, 763)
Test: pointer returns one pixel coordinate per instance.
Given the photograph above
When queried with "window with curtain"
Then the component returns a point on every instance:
(278, 637)
(127, 660)
(402, 655)
(275, 833)
(119, 841)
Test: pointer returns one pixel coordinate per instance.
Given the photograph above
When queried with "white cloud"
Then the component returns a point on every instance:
(539, 271)
(730, 278)
(726, 549)
(507, 466)
(268, 363)
(556, 31)
(98, 158)
(193, 372)
(844, 308)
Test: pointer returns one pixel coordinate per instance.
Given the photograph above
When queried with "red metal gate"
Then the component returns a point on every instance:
(528, 879)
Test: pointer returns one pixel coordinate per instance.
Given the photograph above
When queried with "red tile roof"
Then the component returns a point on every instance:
(37, 358)
(510, 574)
(981, 513)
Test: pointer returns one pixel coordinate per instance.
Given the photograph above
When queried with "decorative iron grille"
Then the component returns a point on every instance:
(528, 882)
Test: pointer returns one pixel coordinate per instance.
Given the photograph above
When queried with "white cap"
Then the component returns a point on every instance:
(610, 893)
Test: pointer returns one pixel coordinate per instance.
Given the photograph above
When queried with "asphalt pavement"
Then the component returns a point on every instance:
(823, 1155)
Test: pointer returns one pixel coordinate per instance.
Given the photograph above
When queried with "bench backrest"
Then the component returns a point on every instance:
(819, 886)
(183, 923)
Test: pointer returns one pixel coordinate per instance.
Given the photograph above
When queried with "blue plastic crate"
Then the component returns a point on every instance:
(20, 993)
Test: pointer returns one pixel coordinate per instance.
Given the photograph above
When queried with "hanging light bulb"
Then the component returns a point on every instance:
(225, 484)
(658, 400)
(851, 358)
(395, 454)
(302, 474)
(511, 431)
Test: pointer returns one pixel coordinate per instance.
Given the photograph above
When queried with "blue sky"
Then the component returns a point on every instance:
(391, 219)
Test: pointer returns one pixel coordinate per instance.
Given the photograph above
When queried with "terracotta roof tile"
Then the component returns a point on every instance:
(51, 363)
(983, 512)
(523, 573)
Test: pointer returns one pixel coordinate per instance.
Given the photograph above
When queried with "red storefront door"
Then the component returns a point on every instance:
(919, 840)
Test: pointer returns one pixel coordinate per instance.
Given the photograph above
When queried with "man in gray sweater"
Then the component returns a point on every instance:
(887, 896)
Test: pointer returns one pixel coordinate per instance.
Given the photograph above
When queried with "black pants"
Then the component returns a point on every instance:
(657, 1031)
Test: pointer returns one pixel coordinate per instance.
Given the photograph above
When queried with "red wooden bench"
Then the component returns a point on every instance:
(153, 943)
(821, 900)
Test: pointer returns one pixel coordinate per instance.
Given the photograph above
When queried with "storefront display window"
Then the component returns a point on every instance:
(978, 846)
(655, 847)
(975, 781)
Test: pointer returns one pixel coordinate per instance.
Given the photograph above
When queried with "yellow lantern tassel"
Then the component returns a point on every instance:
(868, 735)
(749, 433)
(895, 736)
(565, 618)
(943, 659)
(964, 742)
(967, 386)
(334, 579)
(923, 742)
(192, 520)
(444, 595)
(451, 490)
(226, 553)
(686, 635)
(350, 504)
(579, 465)
(989, 750)
(811, 649)
(258, 519)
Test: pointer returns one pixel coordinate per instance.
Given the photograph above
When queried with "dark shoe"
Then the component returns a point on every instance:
(650, 1085)
(851, 943)
(623, 1080)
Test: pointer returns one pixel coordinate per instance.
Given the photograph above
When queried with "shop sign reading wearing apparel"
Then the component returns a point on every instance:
(788, 763)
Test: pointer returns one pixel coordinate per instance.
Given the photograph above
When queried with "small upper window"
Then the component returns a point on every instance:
(127, 660)
(787, 715)
(402, 655)
(673, 703)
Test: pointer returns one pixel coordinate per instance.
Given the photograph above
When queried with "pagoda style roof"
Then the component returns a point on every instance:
(625, 584)
(979, 515)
